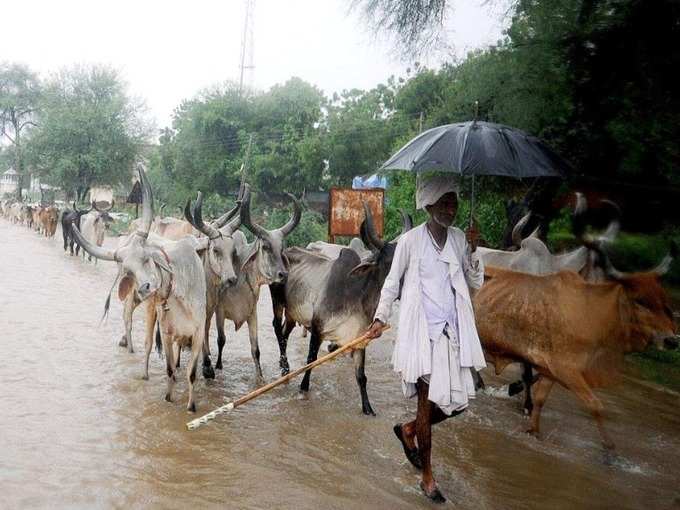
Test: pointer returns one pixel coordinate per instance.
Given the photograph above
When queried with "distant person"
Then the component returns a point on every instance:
(437, 345)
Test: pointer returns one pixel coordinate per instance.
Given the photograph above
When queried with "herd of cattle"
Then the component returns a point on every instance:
(569, 317)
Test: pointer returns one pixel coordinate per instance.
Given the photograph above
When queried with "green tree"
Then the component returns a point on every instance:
(90, 130)
(19, 97)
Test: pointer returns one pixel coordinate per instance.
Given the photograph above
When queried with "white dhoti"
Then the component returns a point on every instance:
(451, 386)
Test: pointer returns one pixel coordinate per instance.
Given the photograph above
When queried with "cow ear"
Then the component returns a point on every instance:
(201, 245)
(363, 268)
(160, 262)
(124, 288)
(250, 258)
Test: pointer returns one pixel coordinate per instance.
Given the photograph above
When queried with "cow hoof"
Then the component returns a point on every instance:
(145, 377)
(610, 457)
(208, 372)
(168, 398)
(515, 388)
(332, 347)
(526, 411)
(123, 341)
(368, 410)
(532, 432)
(304, 395)
(260, 380)
(191, 407)
(218, 365)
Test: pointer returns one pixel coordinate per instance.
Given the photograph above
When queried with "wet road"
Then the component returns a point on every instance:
(79, 428)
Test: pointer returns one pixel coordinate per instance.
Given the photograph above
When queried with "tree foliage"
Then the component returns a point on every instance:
(90, 130)
(19, 97)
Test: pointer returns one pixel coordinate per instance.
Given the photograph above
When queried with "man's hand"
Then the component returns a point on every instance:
(375, 331)
(472, 236)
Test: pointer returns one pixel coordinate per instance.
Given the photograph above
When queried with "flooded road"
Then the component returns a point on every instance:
(79, 428)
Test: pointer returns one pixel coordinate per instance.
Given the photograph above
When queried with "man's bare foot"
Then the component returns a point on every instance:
(432, 491)
(409, 446)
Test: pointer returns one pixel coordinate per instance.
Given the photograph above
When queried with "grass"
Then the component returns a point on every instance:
(660, 367)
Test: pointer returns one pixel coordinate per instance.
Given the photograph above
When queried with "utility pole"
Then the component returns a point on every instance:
(247, 47)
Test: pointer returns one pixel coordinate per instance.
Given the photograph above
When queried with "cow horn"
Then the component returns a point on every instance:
(579, 228)
(147, 203)
(93, 249)
(197, 213)
(406, 221)
(187, 214)
(94, 205)
(295, 218)
(245, 215)
(614, 225)
(226, 217)
(581, 204)
(665, 264)
(519, 227)
(371, 234)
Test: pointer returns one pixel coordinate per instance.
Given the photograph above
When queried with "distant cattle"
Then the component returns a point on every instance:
(93, 225)
(69, 218)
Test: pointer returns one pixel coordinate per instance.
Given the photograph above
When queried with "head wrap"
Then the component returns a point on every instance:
(431, 187)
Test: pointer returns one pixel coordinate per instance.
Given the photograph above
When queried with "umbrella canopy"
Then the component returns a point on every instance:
(479, 148)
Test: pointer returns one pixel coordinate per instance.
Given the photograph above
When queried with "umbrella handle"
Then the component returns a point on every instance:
(472, 201)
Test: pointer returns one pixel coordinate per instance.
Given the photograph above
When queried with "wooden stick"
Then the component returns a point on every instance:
(194, 424)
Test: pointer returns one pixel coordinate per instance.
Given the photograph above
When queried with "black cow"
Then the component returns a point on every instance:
(335, 299)
(69, 218)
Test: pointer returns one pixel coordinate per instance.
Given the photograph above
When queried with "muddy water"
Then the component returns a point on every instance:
(80, 429)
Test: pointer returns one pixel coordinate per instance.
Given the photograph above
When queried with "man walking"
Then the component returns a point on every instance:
(437, 345)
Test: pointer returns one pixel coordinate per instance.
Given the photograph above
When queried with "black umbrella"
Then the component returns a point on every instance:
(478, 148)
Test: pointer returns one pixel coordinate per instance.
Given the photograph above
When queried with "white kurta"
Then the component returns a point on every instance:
(416, 354)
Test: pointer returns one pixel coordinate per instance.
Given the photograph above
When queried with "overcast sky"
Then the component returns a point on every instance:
(169, 50)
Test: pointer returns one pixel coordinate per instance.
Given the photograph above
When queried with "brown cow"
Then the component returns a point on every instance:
(49, 218)
(572, 331)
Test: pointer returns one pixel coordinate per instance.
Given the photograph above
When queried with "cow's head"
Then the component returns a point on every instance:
(645, 306)
(382, 253)
(218, 248)
(103, 217)
(141, 264)
(269, 244)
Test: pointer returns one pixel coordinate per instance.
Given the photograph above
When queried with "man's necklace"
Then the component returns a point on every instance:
(434, 241)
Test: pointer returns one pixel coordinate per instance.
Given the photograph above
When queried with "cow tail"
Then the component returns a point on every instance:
(107, 303)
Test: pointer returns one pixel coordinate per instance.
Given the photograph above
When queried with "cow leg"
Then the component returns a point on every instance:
(541, 391)
(196, 348)
(178, 353)
(528, 380)
(221, 337)
(579, 386)
(314, 344)
(169, 365)
(477, 378)
(148, 337)
(359, 363)
(208, 371)
(254, 346)
(128, 310)
(280, 329)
